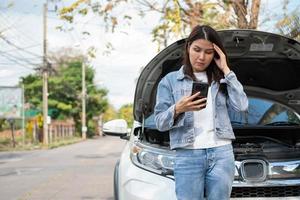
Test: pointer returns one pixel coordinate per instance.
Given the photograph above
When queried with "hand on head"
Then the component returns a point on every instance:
(221, 61)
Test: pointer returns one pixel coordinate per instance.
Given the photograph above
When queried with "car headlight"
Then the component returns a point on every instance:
(152, 159)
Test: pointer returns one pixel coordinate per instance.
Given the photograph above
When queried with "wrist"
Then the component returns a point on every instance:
(226, 71)
(176, 111)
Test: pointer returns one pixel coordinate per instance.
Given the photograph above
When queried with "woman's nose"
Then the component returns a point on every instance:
(201, 55)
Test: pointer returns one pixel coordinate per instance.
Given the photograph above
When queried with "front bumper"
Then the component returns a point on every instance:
(135, 183)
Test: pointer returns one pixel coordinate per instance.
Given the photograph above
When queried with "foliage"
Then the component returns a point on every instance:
(33, 89)
(2, 124)
(65, 92)
(126, 112)
(177, 17)
(289, 25)
(109, 114)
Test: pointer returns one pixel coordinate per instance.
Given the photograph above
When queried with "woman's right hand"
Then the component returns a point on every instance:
(188, 103)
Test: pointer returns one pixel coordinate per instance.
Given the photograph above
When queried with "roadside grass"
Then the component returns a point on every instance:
(7, 145)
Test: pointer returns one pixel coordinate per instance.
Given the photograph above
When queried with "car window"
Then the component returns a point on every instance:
(265, 112)
(261, 112)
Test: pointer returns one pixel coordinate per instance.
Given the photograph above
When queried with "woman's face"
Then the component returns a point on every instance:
(201, 53)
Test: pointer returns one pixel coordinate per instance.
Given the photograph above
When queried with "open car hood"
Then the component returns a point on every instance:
(267, 64)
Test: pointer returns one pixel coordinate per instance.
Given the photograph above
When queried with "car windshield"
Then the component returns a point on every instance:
(261, 112)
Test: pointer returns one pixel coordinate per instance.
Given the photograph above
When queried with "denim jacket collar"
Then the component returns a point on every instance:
(181, 75)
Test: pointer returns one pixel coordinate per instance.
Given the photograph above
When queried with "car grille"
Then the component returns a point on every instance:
(287, 191)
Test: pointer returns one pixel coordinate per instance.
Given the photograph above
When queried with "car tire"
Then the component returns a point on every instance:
(116, 181)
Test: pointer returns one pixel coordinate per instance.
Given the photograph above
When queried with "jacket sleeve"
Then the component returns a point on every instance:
(237, 97)
(165, 108)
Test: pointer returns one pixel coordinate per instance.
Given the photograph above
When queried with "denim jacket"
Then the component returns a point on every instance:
(174, 86)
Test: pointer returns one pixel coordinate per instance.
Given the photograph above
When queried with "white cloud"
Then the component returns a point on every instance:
(120, 69)
(5, 73)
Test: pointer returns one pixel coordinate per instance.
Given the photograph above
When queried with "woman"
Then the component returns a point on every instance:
(200, 129)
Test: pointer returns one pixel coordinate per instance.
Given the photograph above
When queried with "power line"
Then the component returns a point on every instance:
(18, 60)
(14, 25)
(13, 61)
(18, 57)
(17, 54)
(28, 47)
(20, 48)
(28, 60)
(21, 64)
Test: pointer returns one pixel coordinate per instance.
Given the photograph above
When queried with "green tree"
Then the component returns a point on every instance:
(2, 124)
(64, 99)
(126, 112)
(110, 114)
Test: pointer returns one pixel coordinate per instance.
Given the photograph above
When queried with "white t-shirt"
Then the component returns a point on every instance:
(205, 136)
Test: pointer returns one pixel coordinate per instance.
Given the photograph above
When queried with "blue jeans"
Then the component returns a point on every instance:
(210, 170)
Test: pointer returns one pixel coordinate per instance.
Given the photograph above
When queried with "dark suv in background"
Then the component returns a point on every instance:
(267, 145)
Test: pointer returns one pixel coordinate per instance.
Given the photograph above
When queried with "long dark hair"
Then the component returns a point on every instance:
(207, 33)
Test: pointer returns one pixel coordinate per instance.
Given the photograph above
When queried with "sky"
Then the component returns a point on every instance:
(22, 25)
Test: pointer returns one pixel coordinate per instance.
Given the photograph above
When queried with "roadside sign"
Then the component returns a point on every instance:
(48, 119)
(84, 129)
(10, 102)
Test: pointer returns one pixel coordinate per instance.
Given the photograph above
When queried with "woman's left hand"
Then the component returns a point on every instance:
(222, 61)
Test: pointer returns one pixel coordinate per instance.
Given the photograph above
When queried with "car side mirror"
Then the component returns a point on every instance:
(116, 127)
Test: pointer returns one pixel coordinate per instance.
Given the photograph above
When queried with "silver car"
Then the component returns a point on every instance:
(267, 145)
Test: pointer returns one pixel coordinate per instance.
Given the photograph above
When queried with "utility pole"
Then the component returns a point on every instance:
(45, 79)
(83, 116)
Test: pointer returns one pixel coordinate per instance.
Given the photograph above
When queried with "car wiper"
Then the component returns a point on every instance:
(282, 123)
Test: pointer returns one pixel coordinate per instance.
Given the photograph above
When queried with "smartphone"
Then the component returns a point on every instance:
(200, 87)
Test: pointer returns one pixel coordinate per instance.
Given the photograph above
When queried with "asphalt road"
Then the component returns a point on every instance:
(78, 171)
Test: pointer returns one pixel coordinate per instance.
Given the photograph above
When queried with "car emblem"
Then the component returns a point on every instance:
(253, 170)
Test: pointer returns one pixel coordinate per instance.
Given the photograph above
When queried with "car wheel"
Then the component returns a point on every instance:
(116, 181)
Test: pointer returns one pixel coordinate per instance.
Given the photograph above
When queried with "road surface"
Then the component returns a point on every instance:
(81, 171)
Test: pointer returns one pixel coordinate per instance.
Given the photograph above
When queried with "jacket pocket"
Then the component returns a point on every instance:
(181, 92)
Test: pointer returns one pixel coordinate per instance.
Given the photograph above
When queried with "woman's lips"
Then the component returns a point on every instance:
(200, 63)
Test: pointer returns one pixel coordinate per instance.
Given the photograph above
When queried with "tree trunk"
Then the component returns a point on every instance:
(254, 14)
(240, 9)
